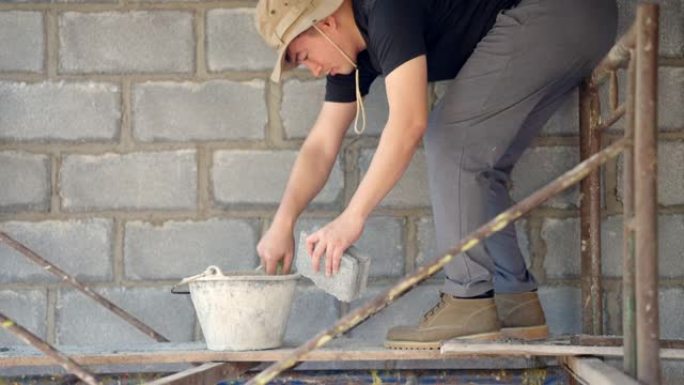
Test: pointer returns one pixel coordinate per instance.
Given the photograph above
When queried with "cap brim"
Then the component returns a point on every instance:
(323, 9)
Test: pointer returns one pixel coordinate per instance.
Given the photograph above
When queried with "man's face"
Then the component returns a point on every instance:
(314, 51)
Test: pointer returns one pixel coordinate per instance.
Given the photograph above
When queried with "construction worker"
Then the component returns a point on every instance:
(513, 62)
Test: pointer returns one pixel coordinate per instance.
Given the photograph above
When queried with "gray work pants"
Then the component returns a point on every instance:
(516, 78)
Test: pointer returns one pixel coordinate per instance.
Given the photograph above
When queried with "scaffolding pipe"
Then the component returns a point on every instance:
(31, 339)
(645, 195)
(502, 220)
(628, 295)
(64, 277)
(590, 212)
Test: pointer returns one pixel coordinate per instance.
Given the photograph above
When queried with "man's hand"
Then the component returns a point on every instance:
(275, 246)
(332, 240)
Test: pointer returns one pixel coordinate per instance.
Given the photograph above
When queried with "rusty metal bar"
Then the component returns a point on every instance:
(590, 212)
(628, 294)
(645, 195)
(617, 56)
(62, 275)
(209, 373)
(613, 90)
(353, 318)
(31, 339)
(613, 118)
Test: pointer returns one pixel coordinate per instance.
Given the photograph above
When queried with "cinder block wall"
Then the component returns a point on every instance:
(141, 142)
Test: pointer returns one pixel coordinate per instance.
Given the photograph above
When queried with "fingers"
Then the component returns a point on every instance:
(336, 258)
(318, 252)
(329, 260)
(271, 265)
(287, 265)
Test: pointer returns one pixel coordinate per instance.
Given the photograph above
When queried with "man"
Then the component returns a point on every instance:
(513, 62)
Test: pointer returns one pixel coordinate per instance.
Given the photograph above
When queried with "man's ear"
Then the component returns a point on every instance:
(328, 24)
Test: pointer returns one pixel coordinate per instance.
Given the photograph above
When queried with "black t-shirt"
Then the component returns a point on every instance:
(396, 31)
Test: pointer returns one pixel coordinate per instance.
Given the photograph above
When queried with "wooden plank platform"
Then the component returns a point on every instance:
(342, 349)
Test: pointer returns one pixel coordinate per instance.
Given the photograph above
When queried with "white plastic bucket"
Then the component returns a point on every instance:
(242, 310)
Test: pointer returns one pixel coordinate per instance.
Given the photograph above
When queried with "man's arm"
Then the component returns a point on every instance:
(407, 97)
(308, 176)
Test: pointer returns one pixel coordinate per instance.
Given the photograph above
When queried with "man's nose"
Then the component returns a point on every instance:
(314, 68)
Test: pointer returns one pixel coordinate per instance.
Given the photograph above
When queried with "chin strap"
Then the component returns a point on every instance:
(360, 110)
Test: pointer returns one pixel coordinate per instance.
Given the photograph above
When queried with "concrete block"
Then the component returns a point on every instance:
(671, 89)
(562, 239)
(381, 241)
(671, 26)
(82, 248)
(255, 177)
(81, 111)
(540, 165)
(214, 110)
(407, 310)
(670, 174)
(412, 190)
(27, 308)
(300, 107)
(671, 313)
(312, 311)
(562, 309)
(81, 321)
(670, 98)
(126, 42)
(670, 246)
(29, 189)
(349, 282)
(427, 251)
(149, 180)
(233, 42)
(178, 249)
(21, 41)
(565, 121)
(302, 101)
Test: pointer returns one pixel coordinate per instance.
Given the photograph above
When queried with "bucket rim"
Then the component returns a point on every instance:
(248, 275)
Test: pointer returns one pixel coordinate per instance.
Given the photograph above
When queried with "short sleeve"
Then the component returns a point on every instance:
(396, 32)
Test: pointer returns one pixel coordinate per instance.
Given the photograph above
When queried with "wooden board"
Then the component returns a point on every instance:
(557, 349)
(338, 350)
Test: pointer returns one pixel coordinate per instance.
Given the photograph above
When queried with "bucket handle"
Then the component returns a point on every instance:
(210, 271)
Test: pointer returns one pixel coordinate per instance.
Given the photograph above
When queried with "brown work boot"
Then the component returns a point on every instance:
(451, 318)
(522, 316)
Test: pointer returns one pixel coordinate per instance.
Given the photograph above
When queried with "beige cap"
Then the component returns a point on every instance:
(280, 21)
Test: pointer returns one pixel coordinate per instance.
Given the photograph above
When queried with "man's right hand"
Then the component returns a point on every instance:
(275, 246)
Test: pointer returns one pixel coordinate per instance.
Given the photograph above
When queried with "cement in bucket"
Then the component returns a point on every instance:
(242, 310)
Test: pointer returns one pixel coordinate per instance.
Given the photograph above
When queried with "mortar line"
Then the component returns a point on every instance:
(126, 141)
(610, 187)
(55, 201)
(199, 21)
(537, 248)
(203, 182)
(51, 43)
(50, 315)
(410, 230)
(127, 6)
(118, 239)
(274, 131)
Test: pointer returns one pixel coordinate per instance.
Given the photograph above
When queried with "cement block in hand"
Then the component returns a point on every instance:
(349, 282)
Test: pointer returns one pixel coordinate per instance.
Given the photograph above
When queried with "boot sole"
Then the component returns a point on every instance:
(530, 333)
(435, 345)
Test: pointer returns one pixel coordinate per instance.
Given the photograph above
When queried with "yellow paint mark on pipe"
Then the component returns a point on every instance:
(7, 324)
(470, 244)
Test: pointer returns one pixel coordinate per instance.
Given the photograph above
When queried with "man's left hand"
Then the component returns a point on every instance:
(332, 240)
